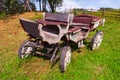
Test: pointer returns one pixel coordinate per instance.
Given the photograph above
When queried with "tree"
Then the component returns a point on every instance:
(106, 9)
(40, 2)
(13, 6)
(27, 5)
(44, 5)
(3, 7)
(54, 3)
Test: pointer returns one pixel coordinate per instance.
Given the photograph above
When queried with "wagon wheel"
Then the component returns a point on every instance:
(25, 49)
(96, 40)
(65, 58)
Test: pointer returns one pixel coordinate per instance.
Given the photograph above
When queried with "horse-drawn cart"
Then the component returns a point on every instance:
(45, 36)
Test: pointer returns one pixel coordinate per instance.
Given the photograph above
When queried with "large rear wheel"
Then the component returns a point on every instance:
(65, 58)
(25, 49)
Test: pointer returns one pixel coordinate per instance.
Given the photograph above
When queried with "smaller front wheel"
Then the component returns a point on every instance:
(65, 58)
(25, 49)
(96, 40)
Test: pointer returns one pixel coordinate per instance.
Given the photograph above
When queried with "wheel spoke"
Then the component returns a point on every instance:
(25, 49)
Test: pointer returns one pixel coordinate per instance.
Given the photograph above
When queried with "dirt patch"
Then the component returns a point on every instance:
(11, 25)
(11, 36)
(99, 69)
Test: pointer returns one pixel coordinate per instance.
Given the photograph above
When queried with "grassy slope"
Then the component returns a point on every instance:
(101, 64)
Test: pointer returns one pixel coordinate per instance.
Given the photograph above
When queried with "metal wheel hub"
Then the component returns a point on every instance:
(26, 50)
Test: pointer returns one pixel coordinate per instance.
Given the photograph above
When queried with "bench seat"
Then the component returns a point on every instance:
(89, 21)
(74, 29)
(48, 22)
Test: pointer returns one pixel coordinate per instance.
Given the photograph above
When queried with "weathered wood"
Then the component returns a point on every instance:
(63, 17)
(30, 27)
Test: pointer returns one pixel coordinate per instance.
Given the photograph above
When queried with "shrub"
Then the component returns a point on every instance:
(3, 15)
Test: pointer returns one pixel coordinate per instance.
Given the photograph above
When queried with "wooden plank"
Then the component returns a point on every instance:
(63, 17)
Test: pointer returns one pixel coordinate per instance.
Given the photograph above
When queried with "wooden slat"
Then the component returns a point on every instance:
(62, 17)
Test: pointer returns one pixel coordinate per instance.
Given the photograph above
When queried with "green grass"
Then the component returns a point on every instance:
(101, 64)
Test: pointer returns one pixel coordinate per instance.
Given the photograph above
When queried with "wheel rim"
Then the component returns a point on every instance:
(67, 58)
(26, 50)
(98, 41)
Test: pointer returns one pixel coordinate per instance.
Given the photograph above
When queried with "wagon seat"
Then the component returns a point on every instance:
(84, 22)
(88, 21)
(54, 26)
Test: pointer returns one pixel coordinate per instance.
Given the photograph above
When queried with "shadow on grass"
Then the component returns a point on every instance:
(87, 44)
(73, 45)
(24, 60)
